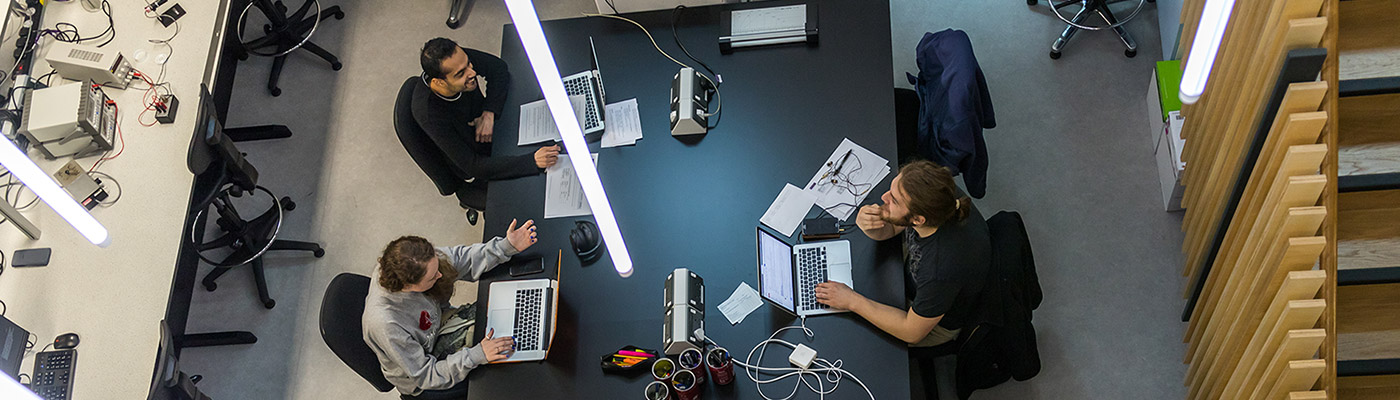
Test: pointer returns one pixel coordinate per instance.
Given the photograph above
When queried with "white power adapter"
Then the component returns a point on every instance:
(802, 356)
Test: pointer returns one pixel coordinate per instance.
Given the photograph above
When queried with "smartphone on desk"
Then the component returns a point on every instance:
(526, 266)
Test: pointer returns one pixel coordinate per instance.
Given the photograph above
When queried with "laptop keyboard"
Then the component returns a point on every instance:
(527, 319)
(583, 86)
(811, 270)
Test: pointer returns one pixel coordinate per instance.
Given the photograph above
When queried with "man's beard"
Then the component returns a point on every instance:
(900, 221)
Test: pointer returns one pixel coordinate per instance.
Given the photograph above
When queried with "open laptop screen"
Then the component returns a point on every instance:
(775, 280)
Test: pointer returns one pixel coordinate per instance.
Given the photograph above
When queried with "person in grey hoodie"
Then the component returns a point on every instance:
(403, 319)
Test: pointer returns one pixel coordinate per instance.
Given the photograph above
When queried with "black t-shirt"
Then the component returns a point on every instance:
(946, 271)
(447, 122)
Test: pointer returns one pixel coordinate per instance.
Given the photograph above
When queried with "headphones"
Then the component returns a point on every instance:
(585, 241)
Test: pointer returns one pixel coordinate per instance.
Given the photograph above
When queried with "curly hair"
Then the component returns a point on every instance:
(404, 262)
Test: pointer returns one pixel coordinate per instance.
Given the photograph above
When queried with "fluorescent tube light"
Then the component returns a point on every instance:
(44, 186)
(527, 25)
(1204, 46)
(10, 389)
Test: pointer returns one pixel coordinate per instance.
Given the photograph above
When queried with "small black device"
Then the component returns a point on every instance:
(586, 241)
(820, 228)
(32, 257)
(165, 111)
(65, 341)
(526, 266)
(171, 14)
(53, 374)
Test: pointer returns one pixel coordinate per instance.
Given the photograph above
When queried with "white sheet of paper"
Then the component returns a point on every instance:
(537, 125)
(855, 179)
(740, 304)
(563, 195)
(787, 210)
(624, 125)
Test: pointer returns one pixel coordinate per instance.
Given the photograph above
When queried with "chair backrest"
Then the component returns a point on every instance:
(341, 309)
(419, 146)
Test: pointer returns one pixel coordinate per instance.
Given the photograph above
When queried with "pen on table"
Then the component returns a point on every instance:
(634, 353)
(559, 261)
(629, 357)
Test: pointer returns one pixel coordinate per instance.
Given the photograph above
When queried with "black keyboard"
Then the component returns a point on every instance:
(528, 312)
(811, 271)
(53, 374)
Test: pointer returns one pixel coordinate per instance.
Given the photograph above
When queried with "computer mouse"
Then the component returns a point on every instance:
(65, 341)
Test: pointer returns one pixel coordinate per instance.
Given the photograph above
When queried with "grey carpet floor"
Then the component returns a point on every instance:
(1070, 152)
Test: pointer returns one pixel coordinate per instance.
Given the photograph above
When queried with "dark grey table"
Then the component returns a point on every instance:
(695, 202)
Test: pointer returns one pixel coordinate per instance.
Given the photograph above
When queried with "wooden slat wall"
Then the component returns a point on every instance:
(1263, 325)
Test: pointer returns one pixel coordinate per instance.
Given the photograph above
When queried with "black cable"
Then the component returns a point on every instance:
(111, 26)
(2, 302)
(46, 347)
(610, 5)
(21, 377)
(2, 271)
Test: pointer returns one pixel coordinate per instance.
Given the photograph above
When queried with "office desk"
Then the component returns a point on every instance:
(114, 297)
(694, 202)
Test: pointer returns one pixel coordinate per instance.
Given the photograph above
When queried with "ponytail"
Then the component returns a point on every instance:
(961, 208)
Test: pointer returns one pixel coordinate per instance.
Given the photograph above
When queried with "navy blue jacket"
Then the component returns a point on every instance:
(954, 107)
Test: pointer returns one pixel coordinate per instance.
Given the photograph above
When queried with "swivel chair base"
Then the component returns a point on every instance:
(247, 238)
(285, 32)
(458, 13)
(1098, 7)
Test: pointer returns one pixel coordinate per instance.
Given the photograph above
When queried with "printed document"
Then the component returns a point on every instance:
(563, 195)
(787, 210)
(740, 304)
(846, 178)
(537, 125)
(624, 125)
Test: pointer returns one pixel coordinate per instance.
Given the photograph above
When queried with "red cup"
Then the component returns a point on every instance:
(691, 360)
(686, 384)
(658, 391)
(663, 369)
(721, 366)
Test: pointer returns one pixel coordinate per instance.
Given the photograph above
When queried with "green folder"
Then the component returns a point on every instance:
(1168, 85)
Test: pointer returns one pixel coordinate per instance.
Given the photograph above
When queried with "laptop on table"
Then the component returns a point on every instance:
(788, 275)
(527, 311)
(590, 85)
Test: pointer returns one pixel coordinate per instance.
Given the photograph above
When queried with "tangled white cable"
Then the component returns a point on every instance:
(821, 366)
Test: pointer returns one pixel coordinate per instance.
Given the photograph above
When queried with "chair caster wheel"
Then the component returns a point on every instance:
(318, 253)
(1054, 55)
(1031, 2)
(210, 286)
(267, 28)
(275, 92)
(335, 66)
(288, 204)
(1130, 53)
(270, 303)
(339, 15)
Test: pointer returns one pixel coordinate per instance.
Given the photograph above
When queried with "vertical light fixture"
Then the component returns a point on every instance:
(48, 190)
(527, 25)
(1215, 16)
(10, 389)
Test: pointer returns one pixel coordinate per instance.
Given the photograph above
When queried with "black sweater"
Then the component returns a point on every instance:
(447, 123)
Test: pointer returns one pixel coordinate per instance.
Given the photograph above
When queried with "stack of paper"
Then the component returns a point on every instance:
(563, 194)
(846, 178)
(537, 125)
(623, 126)
(787, 210)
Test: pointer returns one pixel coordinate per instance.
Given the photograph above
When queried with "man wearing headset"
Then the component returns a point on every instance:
(460, 118)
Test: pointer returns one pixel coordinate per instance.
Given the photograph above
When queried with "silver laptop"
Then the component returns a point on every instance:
(525, 310)
(788, 275)
(589, 84)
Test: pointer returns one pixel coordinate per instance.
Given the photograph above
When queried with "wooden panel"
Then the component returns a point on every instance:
(1313, 395)
(1368, 322)
(1367, 41)
(1299, 285)
(1368, 119)
(1385, 387)
(1328, 260)
(1368, 229)
(1372, 158)
(1298, 313)
(1299, 376)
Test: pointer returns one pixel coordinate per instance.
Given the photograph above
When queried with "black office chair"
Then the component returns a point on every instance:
(445, 175)
(285, 34)
(1087, 8)
(341, 328)
(906, 124)
(212, 151)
